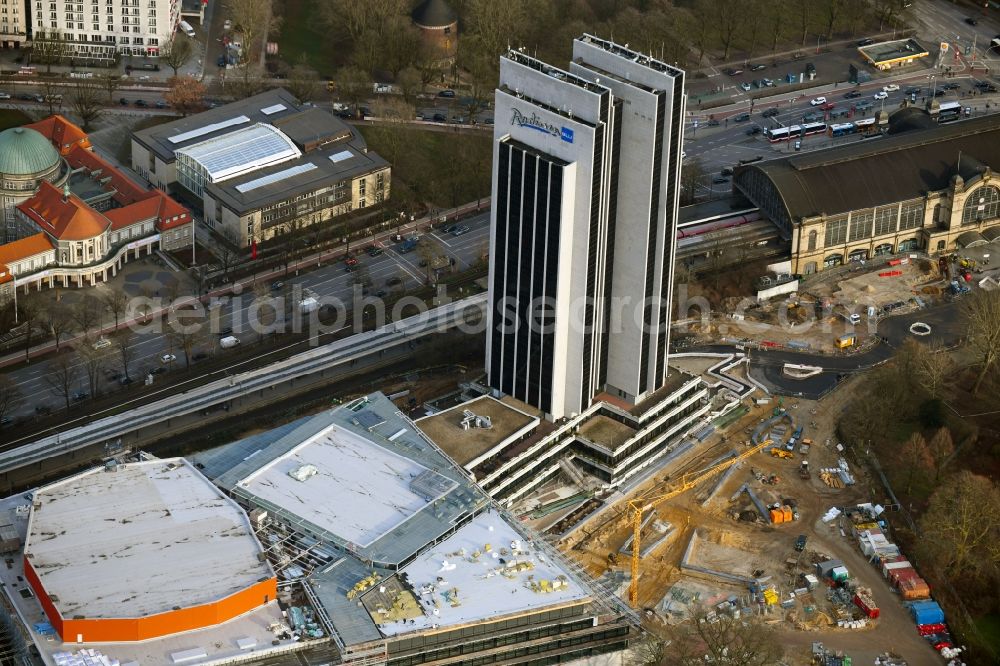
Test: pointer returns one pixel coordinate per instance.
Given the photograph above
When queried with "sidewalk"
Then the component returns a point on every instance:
(247, 284)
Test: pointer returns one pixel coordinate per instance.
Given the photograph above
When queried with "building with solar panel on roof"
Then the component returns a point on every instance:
(263, 166)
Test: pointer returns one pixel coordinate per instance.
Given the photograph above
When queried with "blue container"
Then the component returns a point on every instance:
(927, 612)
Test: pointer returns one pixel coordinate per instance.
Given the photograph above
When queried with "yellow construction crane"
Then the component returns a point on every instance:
(640, 505)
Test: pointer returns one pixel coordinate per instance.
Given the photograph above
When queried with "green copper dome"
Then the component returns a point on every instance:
(25, 152)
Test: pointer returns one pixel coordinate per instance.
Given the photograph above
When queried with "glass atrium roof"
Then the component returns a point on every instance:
(242, 151)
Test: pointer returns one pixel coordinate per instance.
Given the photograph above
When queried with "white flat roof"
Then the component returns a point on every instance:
(486, 589)
(356, 490)
(140, 541)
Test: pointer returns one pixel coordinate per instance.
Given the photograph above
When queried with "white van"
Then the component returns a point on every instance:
(186, 28)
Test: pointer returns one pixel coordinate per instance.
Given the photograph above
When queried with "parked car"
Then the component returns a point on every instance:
(124, 381)
(767, 83)
(892, 87)
(881, 94)
(123, 101)
(459, 230)
(381, 293)
(757, 67)
(161, 104)
(852, 94)
(141, 103)
(446, 93)
(719, 180)
(745, 86)
(800, 542)
(199, 356)
(817, 101)
(393, 281)
(158, 370)
(4, 95)
(867, 41)
(101, 343)
(712, 123)
(727, 171)
(220, 61)
(277, 285)
(168, 358)
(374, 251)
(80, 395)
(43, 410)
(227, 24)
(732, 71)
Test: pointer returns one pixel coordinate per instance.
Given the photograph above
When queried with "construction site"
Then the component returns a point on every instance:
(759, 518)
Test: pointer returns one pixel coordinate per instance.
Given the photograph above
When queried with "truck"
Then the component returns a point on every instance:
(229, 342)
(307, 305)
(804, 471)
(186, 28)
(409, 245)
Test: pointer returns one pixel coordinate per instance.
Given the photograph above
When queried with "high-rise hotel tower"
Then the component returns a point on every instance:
(586, 171)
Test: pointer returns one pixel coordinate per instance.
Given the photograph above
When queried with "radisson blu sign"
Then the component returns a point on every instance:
(536, 123)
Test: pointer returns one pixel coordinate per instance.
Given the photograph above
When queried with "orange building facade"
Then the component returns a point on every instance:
(180, 619)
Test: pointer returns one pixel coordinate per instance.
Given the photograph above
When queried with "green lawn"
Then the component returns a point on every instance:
(441, 169)
(303, 35)
(12, 118)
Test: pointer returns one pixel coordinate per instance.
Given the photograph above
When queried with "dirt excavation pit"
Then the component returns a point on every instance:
(724, 553)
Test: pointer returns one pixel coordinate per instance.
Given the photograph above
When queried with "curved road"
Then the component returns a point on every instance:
(766, 366)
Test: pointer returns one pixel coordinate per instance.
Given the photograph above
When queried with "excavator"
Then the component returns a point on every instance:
(640, 505)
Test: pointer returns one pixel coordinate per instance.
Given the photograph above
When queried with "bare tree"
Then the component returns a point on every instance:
(303, 82)
(430, 252)
(111, 82)
(253, 19)
(86, 101)
(87, 314)
(353, 85)
(410, 83)
(775, 14)
(961, 527)
(93, 361)
(228, 251)
(833, 9)
(61, 376)
(249, 80)
(30, 310)
(179, 52)
(52, 94)
(10, 397)
(692, 175)
(915, 458)
(124, 342)
(982, 320)
(743, 641)
(942, 449)
(359, 18)
(48, 48)
(729, 22)
(495, 25)
(186, 94)
(58, 320)
(116, 301)
(752, 23)
(400, 41)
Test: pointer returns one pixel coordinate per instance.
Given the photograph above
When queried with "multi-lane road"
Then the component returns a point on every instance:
(327, 281)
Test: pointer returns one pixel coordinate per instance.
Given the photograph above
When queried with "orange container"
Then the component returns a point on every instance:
(777, 516)
(787, 511)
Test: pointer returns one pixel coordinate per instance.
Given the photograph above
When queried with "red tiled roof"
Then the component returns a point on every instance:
(63, 134)
(71, 219)
(126, 191)
(21, 249)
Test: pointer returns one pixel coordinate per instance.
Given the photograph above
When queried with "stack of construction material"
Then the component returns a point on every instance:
(825, 569)
(831, 478)
(926, 613)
